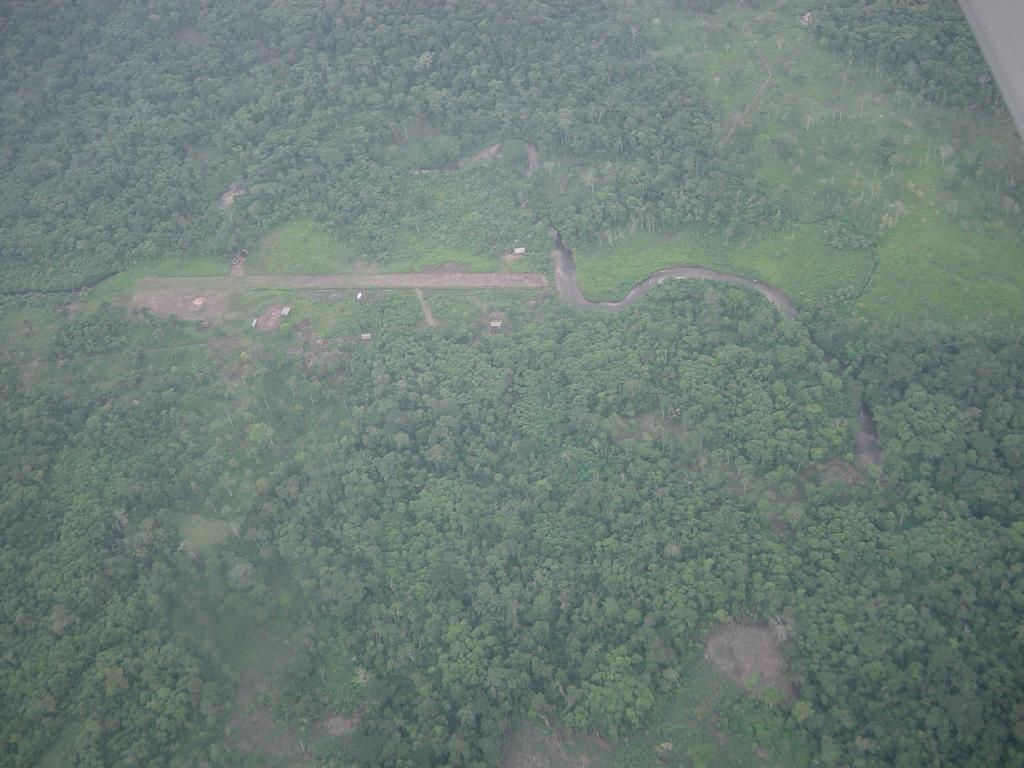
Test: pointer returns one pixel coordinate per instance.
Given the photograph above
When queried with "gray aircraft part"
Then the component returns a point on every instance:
(999, 27)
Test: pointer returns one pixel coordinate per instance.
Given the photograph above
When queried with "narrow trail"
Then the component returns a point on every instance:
(532, 159)
(427, 314)
(755, 102)
(487, 153)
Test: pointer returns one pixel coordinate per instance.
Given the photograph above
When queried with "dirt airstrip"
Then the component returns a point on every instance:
(204, 298)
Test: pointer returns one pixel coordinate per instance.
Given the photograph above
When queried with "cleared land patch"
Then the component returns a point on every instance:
(529, 746)
(228, 198)
(166, 296)
(203, 533)
(270, 318)
(252, 727)
(750, 655)
(196, 301)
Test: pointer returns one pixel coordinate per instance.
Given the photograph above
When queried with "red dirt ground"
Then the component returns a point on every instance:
(228, 198)
(271, 318)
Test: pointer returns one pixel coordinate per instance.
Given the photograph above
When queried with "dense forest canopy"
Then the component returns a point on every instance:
(925, 44)
(689, 530)
(488, 531)
(124, 123)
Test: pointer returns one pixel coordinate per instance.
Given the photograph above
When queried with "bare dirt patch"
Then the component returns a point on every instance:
(487, 153)
(750, 654)
(528, 746)
(271, 318)
(189, 36)
(183, 304)
(340, 726)
(228, 198)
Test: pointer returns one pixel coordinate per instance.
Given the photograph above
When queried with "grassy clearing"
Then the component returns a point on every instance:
(204, 533)
(471, 309)
(834, 139)
(301, 248)
(928, 267)
(121, 284)
(784, 258)
(27, 331)
(709, 722)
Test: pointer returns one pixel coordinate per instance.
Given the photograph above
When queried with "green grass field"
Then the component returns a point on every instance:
(707, 723)
(710, 723)
(301, 248)
(949, 245)
(783, 258)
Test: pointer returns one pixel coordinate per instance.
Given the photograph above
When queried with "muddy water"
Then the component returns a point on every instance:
(569, 289)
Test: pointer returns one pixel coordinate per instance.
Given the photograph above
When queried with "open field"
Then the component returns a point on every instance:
(780, 258)
(708, 722)
(836, 142)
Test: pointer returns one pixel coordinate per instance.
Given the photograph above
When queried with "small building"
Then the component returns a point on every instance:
(366, 336)
(285, 311)
(254, 321)
(495, 326)
(518, 251)
(359, 296)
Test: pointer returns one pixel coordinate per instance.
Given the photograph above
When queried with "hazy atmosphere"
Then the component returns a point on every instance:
(535, 384)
